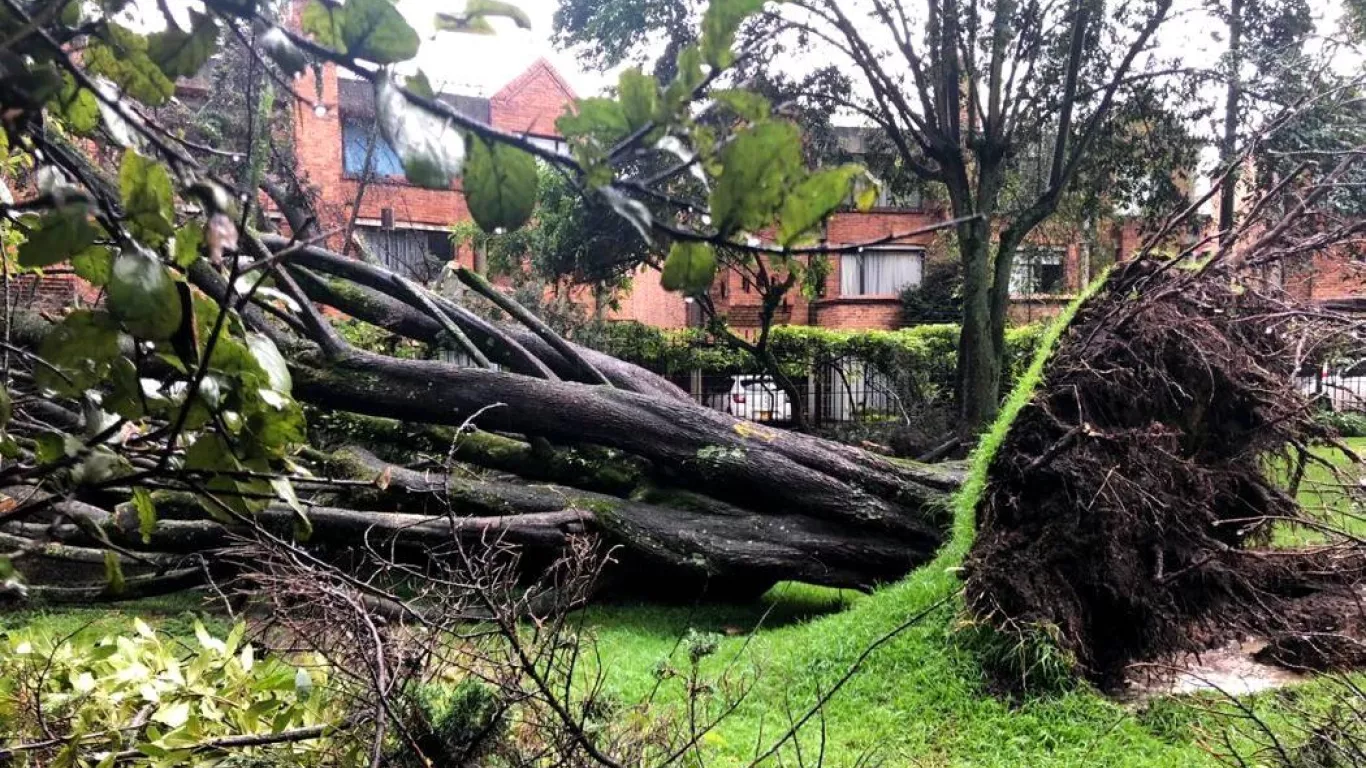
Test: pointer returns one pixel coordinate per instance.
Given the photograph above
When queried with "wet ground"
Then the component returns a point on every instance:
(1230, 669)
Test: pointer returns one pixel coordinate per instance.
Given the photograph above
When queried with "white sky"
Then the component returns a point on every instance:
(481, 64)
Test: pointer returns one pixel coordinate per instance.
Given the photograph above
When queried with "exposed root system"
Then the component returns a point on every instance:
(1128, 510)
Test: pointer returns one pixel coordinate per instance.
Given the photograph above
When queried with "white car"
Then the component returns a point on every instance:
(758, 398)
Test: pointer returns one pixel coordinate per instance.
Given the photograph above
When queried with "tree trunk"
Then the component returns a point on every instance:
(979, 360)
(1228, 145)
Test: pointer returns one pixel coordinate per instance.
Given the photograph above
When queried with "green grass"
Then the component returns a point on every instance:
(174, 614)
(1322, 495)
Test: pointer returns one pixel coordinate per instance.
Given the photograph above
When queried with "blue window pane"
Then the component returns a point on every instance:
(355, 140)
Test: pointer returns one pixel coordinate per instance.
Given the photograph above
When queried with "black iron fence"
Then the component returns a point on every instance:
(838, 391)
(1342, 389)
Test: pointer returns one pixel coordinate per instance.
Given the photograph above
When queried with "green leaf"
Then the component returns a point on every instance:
(271, 362)
(287, 56)
(181, 54)
(51, 447)
(679, 93)
(813, 199)
(639, 94)
(143, 296)
(865, 192)
(432, 149)
(125, 395)
(94, 264)
(483, 8)
(500, 185)
(747, 104)
(630, 209)
(187, 241)
(419, 84)
(275, 423)
(57, 236)
(148, 198)
(598, 118)
(173, 715)
(113, 574)
(375, 30)
(147, 513)
(474, 19)
(6, 406)
(82, 347)
(757, 168)
(303, 527)
(323, 21)
(690, 268)
(77, 106)
(719, 23)
(121, 55)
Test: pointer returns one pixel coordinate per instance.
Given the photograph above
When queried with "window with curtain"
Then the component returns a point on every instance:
(881, 271)
(1038, 270)
(418, 254)
(384, 161)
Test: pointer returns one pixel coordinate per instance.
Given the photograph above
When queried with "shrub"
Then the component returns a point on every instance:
(921, 360)
(147, 692)
(1344, 423)
(938, 297)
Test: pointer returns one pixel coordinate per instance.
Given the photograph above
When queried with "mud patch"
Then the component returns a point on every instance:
(1232, 669)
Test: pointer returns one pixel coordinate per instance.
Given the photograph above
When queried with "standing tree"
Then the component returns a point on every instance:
(1265, 42)
(961, 90)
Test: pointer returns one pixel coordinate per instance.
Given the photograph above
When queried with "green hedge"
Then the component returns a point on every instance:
(926, 353)
(920, 360)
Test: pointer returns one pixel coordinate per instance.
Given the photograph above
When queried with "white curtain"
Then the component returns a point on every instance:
(850, 274)
(880, 272)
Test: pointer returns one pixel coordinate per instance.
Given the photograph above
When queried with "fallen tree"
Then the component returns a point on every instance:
(690, 496)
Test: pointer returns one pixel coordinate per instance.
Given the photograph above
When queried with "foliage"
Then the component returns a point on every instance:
(375, 339)
(927, 350)
(1343, 423)
(92, 686)
(938, 298)
(570, 238)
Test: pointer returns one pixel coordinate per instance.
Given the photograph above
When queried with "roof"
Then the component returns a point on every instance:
(537, 69)
(356, 98)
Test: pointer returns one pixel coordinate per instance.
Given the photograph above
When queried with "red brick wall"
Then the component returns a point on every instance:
(858, 312)
(532, 101)
(48, 293)
(651, 304)
(538, 93)
(1326, 276)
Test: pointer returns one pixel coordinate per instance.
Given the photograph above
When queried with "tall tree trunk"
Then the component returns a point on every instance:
(979, 360)
(1228, 194)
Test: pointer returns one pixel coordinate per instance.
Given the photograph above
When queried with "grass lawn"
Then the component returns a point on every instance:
(1321, 493)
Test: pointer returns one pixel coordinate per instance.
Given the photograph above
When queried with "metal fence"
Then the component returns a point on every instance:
(1340, 389)
(837, 391)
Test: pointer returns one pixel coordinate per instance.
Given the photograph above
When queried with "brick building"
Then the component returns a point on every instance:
(408, 227)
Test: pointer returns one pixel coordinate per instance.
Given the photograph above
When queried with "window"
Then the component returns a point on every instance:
(553, 143)
(384, 161)
(1037, 270)
(907, 198)
(418, 254)
(881, 271)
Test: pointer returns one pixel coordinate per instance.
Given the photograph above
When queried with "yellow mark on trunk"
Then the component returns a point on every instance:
(746, 429)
